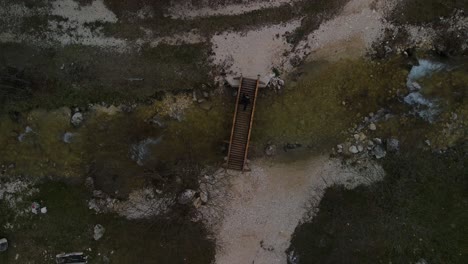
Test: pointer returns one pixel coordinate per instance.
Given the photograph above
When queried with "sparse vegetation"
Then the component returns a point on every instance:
(79, 75)
(324, 103)
(418, 211)
(68, 227)
(418, 12)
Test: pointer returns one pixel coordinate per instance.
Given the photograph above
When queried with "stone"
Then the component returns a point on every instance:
(360, 148)
(379, 152)
(393, 145)
(362, 136)
(378, 141)
(427, 142)
(186, 196)
(197, 202)
(3, 244)
(99, 231)
(77, 119)
(372, 127)
(353, 149)
(44, 210)
(270, 150)
(356, 136)
(204, 197)
(67, 137)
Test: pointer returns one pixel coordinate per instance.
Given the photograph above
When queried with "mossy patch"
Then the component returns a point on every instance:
(418, 12)
(79, 75)
(327, 101)
(418, 211)
(42, 151)
(68, 227)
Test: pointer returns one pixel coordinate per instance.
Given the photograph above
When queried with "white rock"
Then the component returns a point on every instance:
(353, 149)
(3, 244)
(77, 118)
(67, 137)
(379, 152)
(360, 148)
(372, 127)
(428, 142)
(44, 210)
(98, 232)
(356, 136)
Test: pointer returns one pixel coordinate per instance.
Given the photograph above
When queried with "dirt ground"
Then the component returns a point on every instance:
(263, 207)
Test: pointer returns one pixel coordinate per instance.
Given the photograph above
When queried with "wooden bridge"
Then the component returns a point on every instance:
(242, 124)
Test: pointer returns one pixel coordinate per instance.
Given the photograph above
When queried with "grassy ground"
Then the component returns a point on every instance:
(418, 211)
(68, 227)
(326, 101)
(79, 75)
(426, 11)
(101, 146)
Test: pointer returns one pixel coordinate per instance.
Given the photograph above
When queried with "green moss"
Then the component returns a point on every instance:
(42, 152)
(68, 227)
(327, 101)
(79, 75)
(418, 211)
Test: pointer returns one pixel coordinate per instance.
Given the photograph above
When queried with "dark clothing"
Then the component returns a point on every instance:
(245, 101)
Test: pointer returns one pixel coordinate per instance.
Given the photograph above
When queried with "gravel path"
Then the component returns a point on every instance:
(262, 208)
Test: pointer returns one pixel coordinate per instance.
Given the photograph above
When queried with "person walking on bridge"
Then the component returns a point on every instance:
(245, 101)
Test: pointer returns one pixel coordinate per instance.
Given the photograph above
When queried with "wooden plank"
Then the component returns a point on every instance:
(234, 119)
(251, 122)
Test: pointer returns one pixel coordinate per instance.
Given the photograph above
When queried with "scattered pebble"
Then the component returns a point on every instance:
(353, 149)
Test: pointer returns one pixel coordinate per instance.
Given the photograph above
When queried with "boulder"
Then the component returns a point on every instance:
(98, 232)
(67, 137)
(353, 149)
(3, 244)
(186, 196)
(77, 118)
(379, 152)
